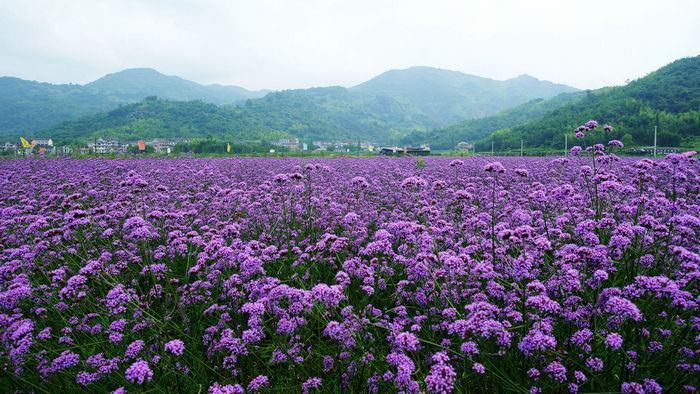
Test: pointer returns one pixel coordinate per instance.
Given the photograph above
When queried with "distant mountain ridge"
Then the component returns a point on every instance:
(448, 97)
(135, 84)
(411, 106)
(418, 98)
(28, 106)
(393, 103)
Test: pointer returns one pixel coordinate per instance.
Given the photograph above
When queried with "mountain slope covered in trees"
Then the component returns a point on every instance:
(474, 129)
(156, 118)
(135, 84)
(327, 114)
(28, 106)
(668, 97)
(447, 97)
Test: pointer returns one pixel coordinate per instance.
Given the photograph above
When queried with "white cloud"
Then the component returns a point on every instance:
(287, 44)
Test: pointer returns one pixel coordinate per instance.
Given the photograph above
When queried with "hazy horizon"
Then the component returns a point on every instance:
(283, 45)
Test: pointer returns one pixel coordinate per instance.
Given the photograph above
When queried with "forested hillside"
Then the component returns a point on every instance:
(29, 106)
(668, 97)
(474, 129)
(156, 118)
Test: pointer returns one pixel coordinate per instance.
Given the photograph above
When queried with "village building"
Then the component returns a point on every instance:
(161, 146)
(43, 148)
(103, 146)
(291, 144)
(10, 147)
(465, 146)
(406, 151)
(341, 146)
(45, 142)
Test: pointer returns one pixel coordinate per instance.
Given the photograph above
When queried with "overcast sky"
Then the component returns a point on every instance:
(280, 44)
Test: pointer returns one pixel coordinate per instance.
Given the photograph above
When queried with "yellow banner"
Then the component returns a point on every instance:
(228, 148)
(25, 143)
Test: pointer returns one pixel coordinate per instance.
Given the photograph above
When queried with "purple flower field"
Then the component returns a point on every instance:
(362, 275)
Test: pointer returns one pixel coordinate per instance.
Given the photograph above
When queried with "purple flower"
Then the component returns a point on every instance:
(632, 387)
(360, 182)
(522, 172)
(614, 341)
(259, 382)
(655, 347)
(66, 360)
(623, 307)
(133, 349)
(441, 378)
(139, 372)
(311, 383)
(406, 341)
(650, 386)
(495, 167)
(176, 347)
(595, 364)
(536, 341)
(556, 371)
(470, 348)
(226, 389)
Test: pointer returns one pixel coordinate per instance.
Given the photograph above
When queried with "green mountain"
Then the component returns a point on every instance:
(326, 114)
(156, 118)
(401, 106)
(392, 104)
(447, 97)
(474, 129)
(335, 112)
(28, 106)
(668, 97)
(135, 84)
(381, 109)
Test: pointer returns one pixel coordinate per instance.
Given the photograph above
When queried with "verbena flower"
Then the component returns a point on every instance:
(139, 372)
(176, 347)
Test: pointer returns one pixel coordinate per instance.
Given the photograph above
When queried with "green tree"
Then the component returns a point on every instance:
(628, 140)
